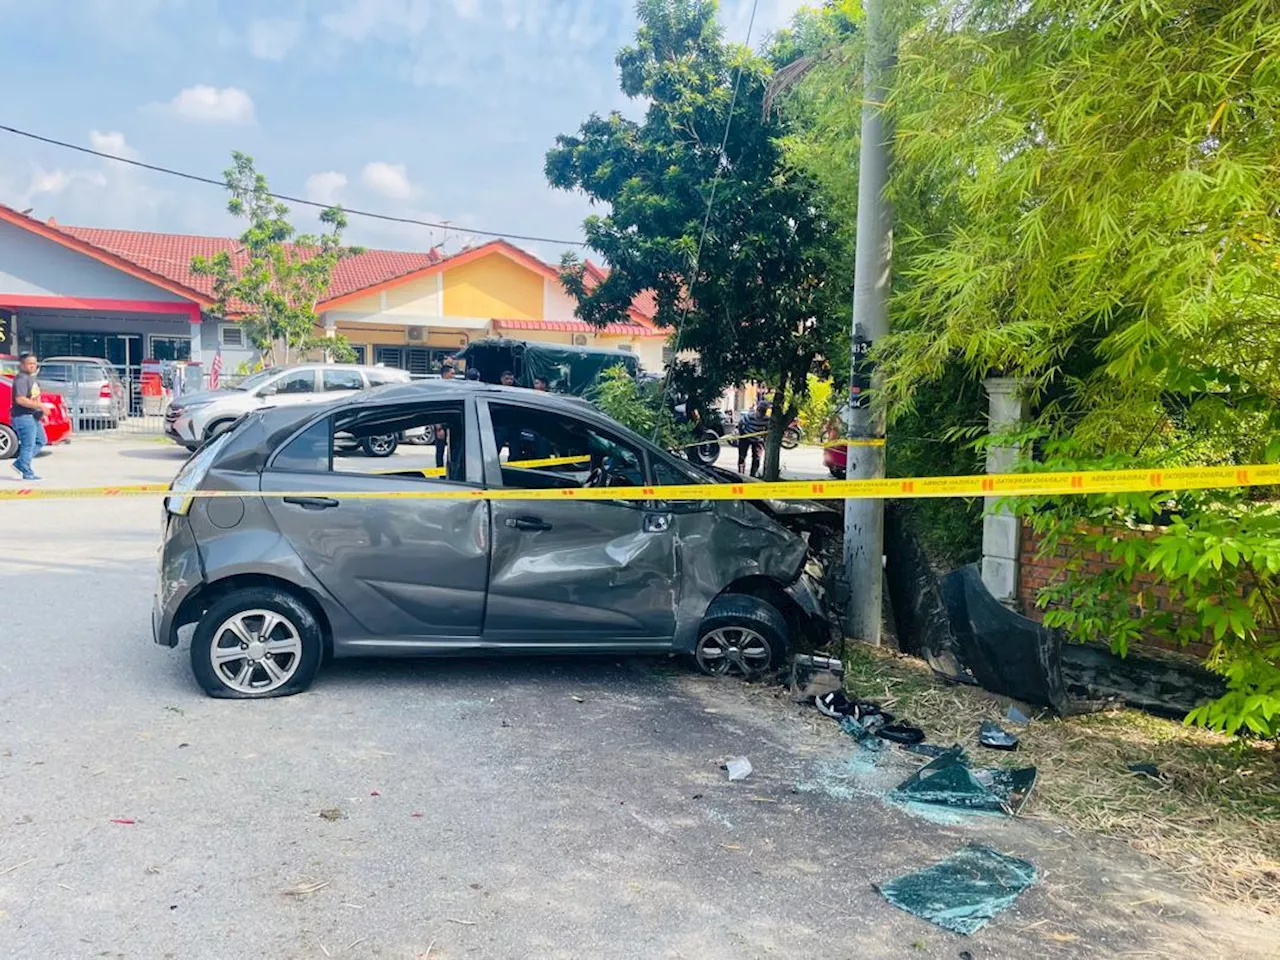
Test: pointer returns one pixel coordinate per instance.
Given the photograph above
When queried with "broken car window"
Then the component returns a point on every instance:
(539, 450)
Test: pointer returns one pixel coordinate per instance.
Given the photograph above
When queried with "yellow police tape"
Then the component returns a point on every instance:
(997, 485)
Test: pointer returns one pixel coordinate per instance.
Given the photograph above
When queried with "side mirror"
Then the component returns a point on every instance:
(269, 391)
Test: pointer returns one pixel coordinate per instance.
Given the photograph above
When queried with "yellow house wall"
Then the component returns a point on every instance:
(493, 286)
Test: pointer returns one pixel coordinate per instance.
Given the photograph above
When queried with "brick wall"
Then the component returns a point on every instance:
(1035, 572)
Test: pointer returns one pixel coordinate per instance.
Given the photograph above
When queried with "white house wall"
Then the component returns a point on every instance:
(32, 266)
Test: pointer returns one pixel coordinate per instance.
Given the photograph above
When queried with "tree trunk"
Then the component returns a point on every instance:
(777, 422)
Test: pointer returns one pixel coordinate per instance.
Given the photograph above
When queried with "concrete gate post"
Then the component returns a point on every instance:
(1001, 530)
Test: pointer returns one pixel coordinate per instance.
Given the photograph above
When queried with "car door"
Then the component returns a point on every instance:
(292, 387)
(412, 572)
(572, 573)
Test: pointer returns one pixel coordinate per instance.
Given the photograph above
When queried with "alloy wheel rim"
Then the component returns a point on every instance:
(6, 444)
(255, 651)
(734, 650)
(380, 444)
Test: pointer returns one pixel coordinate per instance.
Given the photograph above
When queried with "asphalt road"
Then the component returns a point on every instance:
(467, 808)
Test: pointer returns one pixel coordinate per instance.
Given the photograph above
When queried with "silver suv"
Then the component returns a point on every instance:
(307, 555)
(196, 418)
(91, 388)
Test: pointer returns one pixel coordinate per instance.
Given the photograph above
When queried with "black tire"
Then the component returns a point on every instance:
(380, 447)
(836, 472)
(790, 438)
(737, 612)
(215, 428)
(284, 604)
(8, 442)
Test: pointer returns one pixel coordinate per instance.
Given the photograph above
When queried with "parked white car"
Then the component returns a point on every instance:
(195, 418)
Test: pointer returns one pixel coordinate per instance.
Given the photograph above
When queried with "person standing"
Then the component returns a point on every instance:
(447, 372)
(751, 427)
(27, 415)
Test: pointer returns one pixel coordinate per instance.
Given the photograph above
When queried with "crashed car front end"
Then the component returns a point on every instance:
(793, 543)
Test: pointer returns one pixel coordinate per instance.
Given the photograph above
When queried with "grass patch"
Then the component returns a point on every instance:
(1213, 818)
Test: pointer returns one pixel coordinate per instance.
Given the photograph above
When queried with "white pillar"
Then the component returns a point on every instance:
(197, 348)
(1001, 530)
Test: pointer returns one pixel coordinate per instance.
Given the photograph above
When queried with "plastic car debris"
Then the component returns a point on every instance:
(1017, 717)
(963, 892)
(739, 768)
(813, 676)
(854, 728)
(992, 735)
(901, 733)
(837, 705)
(1147, 770)
(949, 781)
(932, 750)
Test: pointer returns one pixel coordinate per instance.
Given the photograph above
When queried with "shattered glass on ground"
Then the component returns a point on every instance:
(963, 892)
(950, 781)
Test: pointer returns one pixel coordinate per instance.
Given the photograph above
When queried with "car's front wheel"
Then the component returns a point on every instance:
(8, 442)
(255, 643)
(741, 635)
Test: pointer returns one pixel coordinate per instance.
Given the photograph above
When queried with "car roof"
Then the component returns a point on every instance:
(62, 359)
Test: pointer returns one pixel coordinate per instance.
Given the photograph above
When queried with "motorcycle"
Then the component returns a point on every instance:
(707, 432)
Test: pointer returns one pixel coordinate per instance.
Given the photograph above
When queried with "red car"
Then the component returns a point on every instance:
(57, 425)
(835, 456)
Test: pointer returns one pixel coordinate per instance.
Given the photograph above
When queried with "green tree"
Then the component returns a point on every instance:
(276, 278)
(768, 288)
(1085, 194)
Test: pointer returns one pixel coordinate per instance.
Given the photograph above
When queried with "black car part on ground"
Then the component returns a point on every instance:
(965, 635)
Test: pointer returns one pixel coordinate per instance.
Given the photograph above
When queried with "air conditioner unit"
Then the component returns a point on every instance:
(415, 334)
(579, 339)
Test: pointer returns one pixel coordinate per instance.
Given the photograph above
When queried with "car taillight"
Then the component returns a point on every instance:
(105, 391)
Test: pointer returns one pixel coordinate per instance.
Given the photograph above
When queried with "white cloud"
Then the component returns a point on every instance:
(205, 104)
(273, 37)
(324, 187)
(389, 179)
(112, 143)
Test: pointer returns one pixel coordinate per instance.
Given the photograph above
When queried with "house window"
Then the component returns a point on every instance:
(231, 335)
(389, 356)
(361, 352)
(170, 348)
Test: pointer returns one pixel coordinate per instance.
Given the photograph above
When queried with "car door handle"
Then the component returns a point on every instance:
(528, 523)
(312, 503)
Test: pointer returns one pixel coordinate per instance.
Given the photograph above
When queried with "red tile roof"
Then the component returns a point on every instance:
(169, 255)
(165, 259)
(580, 326)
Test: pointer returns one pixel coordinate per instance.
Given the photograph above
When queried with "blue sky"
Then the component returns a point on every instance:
(436, 109)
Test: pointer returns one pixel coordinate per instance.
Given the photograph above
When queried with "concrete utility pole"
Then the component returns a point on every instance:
(864, 519)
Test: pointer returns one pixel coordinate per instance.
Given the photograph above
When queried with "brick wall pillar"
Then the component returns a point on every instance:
(1001, 530)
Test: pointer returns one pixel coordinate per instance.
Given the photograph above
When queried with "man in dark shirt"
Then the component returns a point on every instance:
(750, 426)
(27, 415)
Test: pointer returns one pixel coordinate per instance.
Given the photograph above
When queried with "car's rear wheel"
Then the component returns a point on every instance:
(837, 472)
(8, 443)
(256, 643)
(383, 446)
(740, 635)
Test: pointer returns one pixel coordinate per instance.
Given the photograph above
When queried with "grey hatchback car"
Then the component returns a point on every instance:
(331, 563)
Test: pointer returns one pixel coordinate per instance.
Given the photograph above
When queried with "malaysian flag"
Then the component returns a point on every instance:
(215, 371)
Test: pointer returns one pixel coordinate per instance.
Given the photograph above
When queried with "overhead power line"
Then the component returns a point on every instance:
(196, 178)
